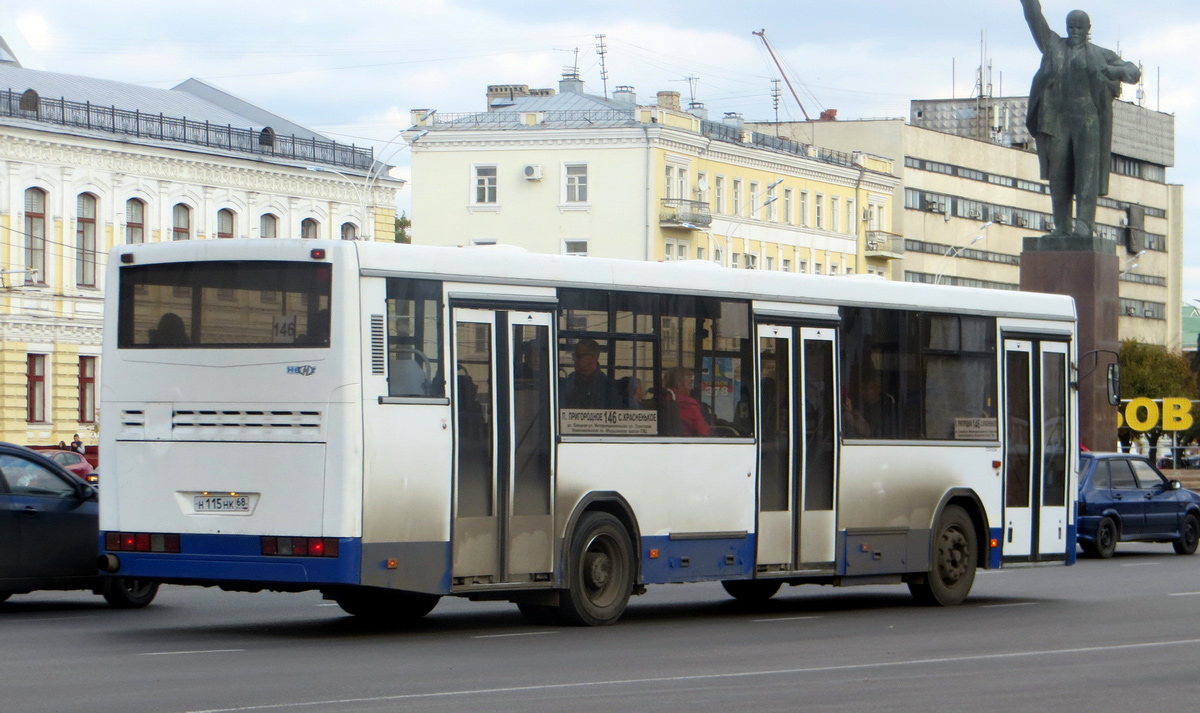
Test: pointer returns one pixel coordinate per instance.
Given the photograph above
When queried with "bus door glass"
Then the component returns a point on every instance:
(797, 455)
(1035, 449)
(503, 469)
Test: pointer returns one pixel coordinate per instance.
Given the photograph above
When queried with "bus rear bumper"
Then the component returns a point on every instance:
(220, 559)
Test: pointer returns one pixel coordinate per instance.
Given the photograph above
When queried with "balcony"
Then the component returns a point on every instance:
(884, 245)
(680, 213)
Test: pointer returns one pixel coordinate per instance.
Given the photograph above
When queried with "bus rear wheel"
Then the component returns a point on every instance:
(601, 572)
(952, 571)
(751, 591)
(384, 605)
(130, 593)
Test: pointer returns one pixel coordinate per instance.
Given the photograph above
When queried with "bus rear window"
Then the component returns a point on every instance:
(243, 304)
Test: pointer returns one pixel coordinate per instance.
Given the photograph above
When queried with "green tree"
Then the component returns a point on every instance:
(402, 226)
(1153, 372)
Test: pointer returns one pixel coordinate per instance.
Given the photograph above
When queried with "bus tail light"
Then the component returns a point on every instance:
(300, 546)
(141, 542)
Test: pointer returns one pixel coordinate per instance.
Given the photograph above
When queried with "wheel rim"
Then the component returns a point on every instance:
(138, 587)
(1191, 531)
(600, 571)
(1105, 536)
(954, 554)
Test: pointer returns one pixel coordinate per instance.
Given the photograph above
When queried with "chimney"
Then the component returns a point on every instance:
(697, 110)
(623, 94)
(829, 115)
(570, 83)
(734, 119)
(668, 100)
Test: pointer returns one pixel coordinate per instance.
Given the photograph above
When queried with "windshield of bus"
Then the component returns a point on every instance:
(224, 304)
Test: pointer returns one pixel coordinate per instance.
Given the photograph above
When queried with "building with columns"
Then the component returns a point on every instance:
(575, 173)
(87, 164)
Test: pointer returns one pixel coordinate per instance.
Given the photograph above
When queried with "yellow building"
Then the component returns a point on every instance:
(86, 164)
(570, 172)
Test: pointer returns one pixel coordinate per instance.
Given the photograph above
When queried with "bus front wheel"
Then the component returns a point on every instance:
(952, 571)
(601, 571)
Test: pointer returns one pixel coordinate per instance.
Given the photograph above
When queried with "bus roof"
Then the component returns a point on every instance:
(513, 266)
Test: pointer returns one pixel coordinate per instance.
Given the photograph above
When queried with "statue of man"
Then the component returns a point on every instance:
(1070, 115)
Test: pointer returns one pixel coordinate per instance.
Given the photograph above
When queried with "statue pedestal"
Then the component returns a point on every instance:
(1086, 269)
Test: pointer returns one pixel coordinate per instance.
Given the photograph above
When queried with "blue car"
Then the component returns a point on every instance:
(1122, 497)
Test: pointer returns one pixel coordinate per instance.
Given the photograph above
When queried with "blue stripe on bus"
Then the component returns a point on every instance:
(219, 558)
(696, 560)
(996, 553)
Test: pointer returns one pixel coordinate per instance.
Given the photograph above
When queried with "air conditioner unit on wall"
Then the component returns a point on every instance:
(533, 172)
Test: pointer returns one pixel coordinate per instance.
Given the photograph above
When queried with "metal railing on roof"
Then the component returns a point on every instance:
(725, 132)
(181, 129)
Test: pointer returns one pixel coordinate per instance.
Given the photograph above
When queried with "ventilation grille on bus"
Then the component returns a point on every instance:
(378, 344)
(133, 419)
(266, 420)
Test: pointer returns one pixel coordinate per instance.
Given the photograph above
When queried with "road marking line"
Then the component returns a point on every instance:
(524, 633)
(1014, 604)
(180, 653)
(329, 604)
(1184, 594)
(52, 618)
(789, 618)
(1072, 653)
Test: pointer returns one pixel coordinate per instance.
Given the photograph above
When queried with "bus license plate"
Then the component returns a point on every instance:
(222, 503)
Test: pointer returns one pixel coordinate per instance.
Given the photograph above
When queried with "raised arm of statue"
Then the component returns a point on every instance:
(1119, 70)
(1042, 34)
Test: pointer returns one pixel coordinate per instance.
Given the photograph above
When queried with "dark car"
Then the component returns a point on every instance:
(1122, 497)
(49, 532)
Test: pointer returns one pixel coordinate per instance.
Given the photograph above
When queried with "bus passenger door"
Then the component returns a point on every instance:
(797, 455)
(1035, 449)
(503, 455)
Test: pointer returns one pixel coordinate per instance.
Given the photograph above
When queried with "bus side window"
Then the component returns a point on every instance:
(414, 346)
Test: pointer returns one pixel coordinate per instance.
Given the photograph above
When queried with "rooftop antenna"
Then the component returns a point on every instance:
(775, 102)
(601, 50)
(1141, 90)
(691, 87)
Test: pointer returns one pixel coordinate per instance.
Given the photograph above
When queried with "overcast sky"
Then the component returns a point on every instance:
(354, 69)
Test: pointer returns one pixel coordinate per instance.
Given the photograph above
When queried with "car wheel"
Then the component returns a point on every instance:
(952, 571)
(1189, 536)
(1106, 538)
(130, 593)
(600, 579)
(751, 591)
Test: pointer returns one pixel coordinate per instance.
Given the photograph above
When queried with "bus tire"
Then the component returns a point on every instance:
(386, 606)
(952, 569)
(125, 593)
(600, 571)
(751, 591)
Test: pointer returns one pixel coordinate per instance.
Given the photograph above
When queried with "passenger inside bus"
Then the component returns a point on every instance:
(679, 383)
(588, 386)
(170, 332)
(632, 391)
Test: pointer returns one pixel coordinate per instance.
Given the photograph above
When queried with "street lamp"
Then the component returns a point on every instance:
(954, 250)
(362, 196)
(1131, 262)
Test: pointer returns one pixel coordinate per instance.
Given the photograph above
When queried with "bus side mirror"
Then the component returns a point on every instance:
(1114, 384)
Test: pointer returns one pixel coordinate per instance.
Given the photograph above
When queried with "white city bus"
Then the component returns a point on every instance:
(391, 424)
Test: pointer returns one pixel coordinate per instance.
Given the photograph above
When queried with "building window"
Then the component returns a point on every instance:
(702, 186)
(135, 221)
(349, 231)
(733, 260)
(787, 206)
(719, 195)
(770, 263)
(851, 218)
(669, 183)
(85, 240)
(699, 253)
(804, 209)
(309, 228)
(181, 222)
(817, 268)
(224, 223)
(677, 249)
(485, 185)
(578, 248)
(577, 183)
(751, 261)
(819, 211)
(772, 208)
(802, 266)
(87, 389)
(35, 236)
(835, 207)
(35, 379)
(786, 265)
(755, 200)
(268, 225)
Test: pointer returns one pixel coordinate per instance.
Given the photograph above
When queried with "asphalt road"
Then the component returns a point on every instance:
(1122, 634)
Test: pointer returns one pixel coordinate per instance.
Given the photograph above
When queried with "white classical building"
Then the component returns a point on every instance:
(86, 164)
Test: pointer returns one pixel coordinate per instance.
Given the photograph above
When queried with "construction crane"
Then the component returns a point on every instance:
(762, 35)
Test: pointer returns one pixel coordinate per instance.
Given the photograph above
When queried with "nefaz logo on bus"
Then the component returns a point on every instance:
(304, 370)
